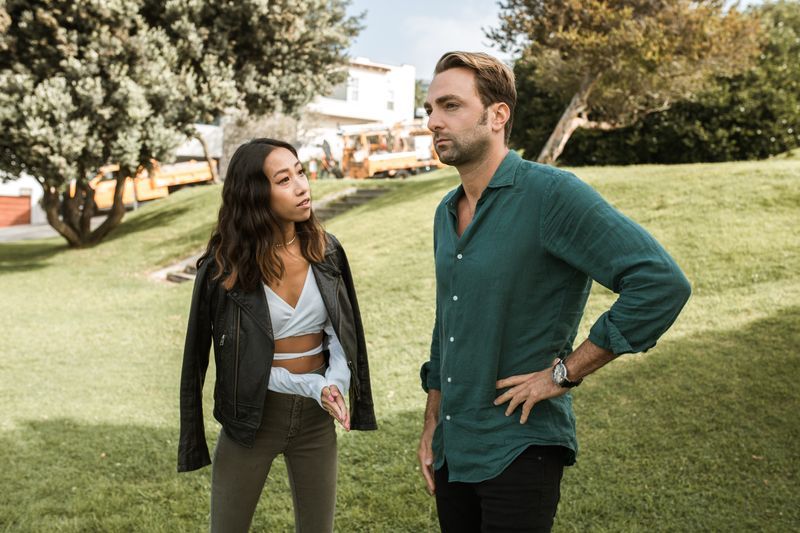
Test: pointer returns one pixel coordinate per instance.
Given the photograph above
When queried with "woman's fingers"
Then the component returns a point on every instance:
(327, 393)
(334, 403)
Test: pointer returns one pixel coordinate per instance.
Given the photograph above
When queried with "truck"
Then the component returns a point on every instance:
(157, 183)
(387, 152)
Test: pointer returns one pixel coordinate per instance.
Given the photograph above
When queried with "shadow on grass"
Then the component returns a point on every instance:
(29, 255)
(143, 221)
(85, 477)
(701, 435)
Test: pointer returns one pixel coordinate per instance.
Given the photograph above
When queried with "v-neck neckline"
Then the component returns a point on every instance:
(299, 298)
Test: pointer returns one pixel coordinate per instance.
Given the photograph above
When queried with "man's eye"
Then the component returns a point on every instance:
(451, 105)
(428, 112)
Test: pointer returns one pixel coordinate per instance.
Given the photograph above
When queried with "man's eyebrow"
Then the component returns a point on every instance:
(446, 97)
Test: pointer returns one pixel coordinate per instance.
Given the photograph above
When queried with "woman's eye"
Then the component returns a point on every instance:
(283, 180)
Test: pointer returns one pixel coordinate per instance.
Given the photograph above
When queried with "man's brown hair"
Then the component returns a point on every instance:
(493, 79)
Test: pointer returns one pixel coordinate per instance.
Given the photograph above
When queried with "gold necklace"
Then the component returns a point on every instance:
(288, 243)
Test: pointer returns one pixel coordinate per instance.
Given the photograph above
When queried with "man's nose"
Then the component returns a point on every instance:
(434, 124)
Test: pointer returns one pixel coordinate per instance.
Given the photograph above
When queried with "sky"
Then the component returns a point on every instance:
(420, 31)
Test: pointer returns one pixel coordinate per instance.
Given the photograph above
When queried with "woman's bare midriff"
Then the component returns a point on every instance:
(300, 344)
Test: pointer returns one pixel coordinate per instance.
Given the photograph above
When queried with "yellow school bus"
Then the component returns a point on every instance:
(146, 185)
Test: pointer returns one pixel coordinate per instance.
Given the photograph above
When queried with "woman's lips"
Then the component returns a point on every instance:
(305, 204)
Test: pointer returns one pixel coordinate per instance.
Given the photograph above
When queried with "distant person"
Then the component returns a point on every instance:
(516, 247)
(275, 296)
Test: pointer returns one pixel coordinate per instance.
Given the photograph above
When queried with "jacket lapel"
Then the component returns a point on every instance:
(254, 303)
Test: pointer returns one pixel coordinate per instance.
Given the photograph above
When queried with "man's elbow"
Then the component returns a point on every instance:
(681, 289)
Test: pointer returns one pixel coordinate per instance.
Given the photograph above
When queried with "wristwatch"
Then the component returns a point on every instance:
(560, 376)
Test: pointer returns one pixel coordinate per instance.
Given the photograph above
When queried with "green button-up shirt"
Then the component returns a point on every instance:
(510, 293)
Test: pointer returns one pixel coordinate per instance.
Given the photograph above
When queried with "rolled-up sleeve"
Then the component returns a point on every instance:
(582, 229)
(430, 372)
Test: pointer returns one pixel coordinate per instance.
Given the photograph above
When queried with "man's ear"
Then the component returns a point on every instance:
(501, 115)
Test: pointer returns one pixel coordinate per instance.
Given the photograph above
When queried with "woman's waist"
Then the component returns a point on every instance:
(301, 364)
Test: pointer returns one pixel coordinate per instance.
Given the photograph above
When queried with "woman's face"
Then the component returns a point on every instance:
(290, 195)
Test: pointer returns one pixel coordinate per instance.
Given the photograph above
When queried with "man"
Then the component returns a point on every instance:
(516, 247)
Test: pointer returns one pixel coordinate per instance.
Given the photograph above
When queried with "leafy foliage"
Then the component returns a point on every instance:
(617, 60)
(86, 83)
(751, 115)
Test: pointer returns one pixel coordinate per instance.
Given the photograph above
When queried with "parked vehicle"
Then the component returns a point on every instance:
(377, 150)
(146, 185)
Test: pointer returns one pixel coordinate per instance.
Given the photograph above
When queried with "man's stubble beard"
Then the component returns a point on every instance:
(468, 151)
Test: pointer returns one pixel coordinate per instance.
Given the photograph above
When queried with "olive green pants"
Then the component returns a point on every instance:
(303, 432)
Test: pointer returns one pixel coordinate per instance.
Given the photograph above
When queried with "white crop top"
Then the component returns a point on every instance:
(309, 316)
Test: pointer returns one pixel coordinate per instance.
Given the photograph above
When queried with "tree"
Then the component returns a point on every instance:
(623, 59)
(84, 83)
(750, 115)
(280, 53)
(420, 91)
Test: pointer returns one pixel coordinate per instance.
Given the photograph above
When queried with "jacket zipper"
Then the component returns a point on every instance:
(356, 384)
(236, 365)
(354, 377)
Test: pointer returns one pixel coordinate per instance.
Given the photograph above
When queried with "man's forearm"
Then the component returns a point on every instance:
(587, 358)
(432, 408)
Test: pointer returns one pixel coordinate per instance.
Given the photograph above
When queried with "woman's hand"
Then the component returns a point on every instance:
(333, 402)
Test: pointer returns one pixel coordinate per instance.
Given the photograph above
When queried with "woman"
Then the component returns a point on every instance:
(275, 295)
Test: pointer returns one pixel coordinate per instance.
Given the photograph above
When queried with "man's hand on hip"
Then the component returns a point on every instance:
(528, 390)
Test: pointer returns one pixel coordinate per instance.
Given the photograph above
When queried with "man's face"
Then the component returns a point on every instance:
(457, 117)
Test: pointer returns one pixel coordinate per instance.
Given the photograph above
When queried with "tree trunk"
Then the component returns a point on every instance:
(212, 165)
(53, 208)
(574, 117)
(71, 217)
(117, 210)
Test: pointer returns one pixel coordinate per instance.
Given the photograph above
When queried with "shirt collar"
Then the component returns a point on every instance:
(504, 175)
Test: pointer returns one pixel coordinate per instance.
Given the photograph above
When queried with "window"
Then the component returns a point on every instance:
(390, 100)
(339, 92)
(352, 89)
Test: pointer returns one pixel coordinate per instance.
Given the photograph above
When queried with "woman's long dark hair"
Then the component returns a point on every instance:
(243, 244)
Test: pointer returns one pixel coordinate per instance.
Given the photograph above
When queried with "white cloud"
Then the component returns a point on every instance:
(429, 37)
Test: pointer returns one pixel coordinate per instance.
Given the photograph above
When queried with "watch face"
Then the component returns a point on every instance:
(559, 373)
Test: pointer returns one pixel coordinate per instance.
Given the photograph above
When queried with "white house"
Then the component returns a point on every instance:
(373, 93)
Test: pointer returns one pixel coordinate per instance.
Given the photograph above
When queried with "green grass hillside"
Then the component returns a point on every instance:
(700, 433)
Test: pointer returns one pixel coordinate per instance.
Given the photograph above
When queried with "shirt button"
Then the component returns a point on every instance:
(452, 339)
(449, 380)
(447, 417)
(455, 298)
(459, 256)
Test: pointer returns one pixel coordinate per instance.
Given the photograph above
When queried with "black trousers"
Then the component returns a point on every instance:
(524, 497)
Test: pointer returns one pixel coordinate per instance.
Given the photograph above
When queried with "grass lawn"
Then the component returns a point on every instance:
(701, 433)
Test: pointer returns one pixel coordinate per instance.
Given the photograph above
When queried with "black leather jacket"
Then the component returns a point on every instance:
(239, 325)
